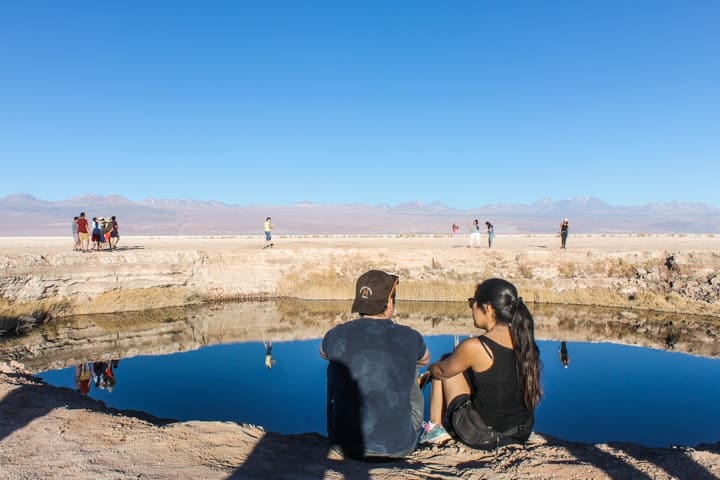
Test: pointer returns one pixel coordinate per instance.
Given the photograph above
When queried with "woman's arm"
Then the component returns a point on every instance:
(469, 354)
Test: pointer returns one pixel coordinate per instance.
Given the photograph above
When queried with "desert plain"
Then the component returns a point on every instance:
(48, 432)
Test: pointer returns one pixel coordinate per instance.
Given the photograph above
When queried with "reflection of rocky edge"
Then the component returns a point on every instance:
(72, 340)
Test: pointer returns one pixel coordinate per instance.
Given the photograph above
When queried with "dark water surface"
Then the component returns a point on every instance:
(608, 392)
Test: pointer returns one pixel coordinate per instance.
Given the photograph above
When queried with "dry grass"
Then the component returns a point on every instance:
(623, 268)
(326, 284)
(660, 302)
(43, 308)
(567, 270)
(334, 285)
(135, 300)
(438, 284)
(525, 270)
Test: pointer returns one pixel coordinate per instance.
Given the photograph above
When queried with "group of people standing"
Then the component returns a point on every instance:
(475, 230)
(104, 233)
(484, 393)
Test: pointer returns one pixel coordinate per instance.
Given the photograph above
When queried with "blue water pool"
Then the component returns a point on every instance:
(607, 393)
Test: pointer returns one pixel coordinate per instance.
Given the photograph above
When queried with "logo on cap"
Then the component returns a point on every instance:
(365, 292)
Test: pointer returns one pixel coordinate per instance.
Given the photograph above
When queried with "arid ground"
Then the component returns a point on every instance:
(48, 432)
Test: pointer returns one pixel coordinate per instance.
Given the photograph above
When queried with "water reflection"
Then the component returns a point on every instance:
(269, 360)
(99, 373)
(70, 341)
(612, 392)
(564, 357)
(83, 376)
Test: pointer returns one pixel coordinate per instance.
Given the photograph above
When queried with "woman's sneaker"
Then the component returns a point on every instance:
(435, 435)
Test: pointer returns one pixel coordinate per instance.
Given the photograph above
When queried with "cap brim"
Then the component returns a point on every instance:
(370, 308)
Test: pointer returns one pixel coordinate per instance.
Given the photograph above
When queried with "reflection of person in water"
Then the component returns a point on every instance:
(104, 375)
(564, 357)
(269, 362)
(83, 374)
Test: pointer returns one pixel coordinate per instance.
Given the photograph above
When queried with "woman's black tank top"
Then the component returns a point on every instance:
(495, 392)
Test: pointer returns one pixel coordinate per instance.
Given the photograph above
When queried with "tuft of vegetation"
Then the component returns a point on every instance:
(135, 300)
(567, 270)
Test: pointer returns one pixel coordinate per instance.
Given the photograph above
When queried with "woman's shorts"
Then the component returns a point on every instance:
(463, 421)
(95, 237)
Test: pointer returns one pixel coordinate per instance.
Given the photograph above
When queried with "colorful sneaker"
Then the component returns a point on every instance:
(434, 436)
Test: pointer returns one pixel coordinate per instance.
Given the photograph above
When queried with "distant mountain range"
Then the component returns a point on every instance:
(24, 214)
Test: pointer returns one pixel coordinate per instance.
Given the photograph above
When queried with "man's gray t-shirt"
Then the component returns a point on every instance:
(373, 367)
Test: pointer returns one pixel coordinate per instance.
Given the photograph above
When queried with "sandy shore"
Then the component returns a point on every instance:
(48, 432)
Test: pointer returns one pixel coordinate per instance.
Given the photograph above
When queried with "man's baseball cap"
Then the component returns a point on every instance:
(372, 292)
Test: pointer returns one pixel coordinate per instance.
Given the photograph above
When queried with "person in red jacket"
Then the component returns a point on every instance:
(83, 232)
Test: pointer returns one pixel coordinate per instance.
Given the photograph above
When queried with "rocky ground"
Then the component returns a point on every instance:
(660, 272)
(48, 432)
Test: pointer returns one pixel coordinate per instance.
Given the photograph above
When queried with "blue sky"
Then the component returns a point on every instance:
(277, 102)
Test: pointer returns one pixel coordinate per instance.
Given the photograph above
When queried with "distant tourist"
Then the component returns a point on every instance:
(106, 227)
(475, 232)
(98, 235)
(490, 233)
(455, 232)
(485, 392)
(76, 236)
(564, 228)
(83, 232)
(374, 404)
(114, 233)
(268, 232)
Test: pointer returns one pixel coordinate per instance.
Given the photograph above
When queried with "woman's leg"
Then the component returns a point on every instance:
(454, 386)
(443, 392)
(437, 403)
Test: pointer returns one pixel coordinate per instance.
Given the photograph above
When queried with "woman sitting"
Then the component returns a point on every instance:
(484, 394)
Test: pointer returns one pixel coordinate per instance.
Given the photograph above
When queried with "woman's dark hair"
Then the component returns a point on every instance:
(510, 308)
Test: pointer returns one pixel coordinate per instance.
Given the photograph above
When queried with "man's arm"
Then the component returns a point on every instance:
(425, 358)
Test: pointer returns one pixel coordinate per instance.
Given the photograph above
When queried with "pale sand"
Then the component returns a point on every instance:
(604, 243)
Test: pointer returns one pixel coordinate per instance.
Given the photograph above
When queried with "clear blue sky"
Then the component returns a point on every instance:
(273, 102)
